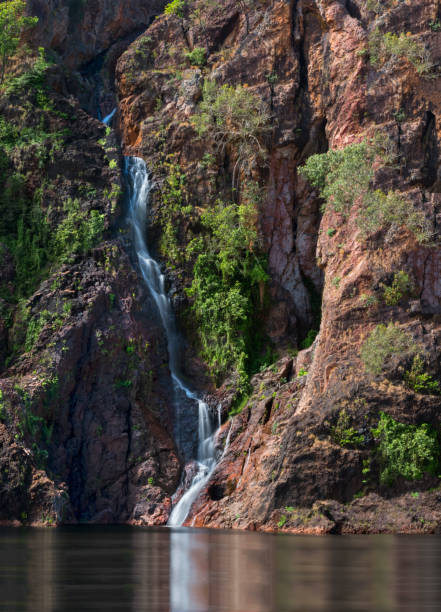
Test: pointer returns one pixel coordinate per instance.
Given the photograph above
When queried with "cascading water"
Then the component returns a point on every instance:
(139, 184)
(206, 460)
(108, 118)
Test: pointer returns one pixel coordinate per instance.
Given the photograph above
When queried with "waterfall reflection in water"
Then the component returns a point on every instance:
(139, 190)
(154, 570)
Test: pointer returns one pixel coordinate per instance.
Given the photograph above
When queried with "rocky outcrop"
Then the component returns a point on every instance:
(90, 404)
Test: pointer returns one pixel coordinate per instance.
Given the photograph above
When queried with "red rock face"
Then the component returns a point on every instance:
(308, 60)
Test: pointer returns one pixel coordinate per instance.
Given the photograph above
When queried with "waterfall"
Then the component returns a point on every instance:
(108, 118)
(140, 185)
(206, 462)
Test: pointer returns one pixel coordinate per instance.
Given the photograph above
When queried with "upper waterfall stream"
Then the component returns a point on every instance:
(139, 190)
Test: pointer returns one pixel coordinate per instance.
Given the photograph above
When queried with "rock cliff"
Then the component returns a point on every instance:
(86, 397)
(313, 64)
(86, 406)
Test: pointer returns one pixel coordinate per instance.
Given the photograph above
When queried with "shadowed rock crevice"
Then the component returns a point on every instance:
(353, 10)
(431, 153)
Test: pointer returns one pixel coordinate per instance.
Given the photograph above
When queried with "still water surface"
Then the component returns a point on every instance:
(84, 569)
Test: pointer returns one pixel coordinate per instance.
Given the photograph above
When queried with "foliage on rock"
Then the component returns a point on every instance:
(420, 381)
(13, 22)
(384, 342)
(344, 179)
(383, 47)
(400, 287)
(408, 451)
(228, 275)
(237, 118)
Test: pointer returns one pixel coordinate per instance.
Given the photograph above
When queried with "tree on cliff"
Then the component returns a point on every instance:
(234, 117)
(13, 22)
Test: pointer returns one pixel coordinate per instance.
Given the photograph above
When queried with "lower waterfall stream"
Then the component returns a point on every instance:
(139, 190)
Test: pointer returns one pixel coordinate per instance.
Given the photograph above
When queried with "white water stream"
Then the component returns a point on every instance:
(140, 186)
(108, 118)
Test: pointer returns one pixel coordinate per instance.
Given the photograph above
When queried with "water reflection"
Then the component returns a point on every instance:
(212, 571)
(140, 570)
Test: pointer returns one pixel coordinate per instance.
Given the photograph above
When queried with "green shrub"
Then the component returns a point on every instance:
(366, 300)
(343, 178)
(309, 340)
(413, 50)
(386, 209)
(228, 272)
(33, 79)
(377, 6)
(228, 277)
(343, 434)
(366, 470)
(13, 22)
(14, 137)
(236, 117)
(123, 384)
(382, 47)
(34, 427)
(197, 57)
(34, 329)
(35, 325)
(435, 25)
(229, 269)
(282, 521)
(409, 451)
(174, 210)
(12, 203)
(175, 7)
(238, 405)
(375, 46)
(35, 245)
(77, 232)
(28, 227)
(401, 286)
(29, 244)
(400, 115)
(382, 344)
(420, 381)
